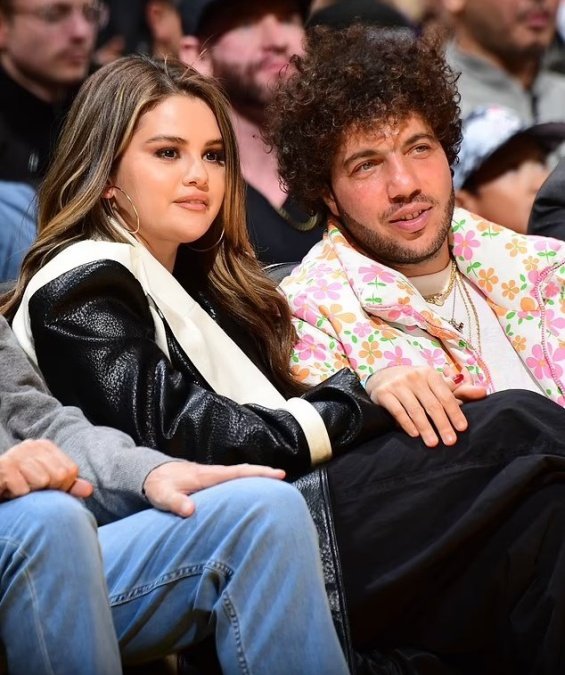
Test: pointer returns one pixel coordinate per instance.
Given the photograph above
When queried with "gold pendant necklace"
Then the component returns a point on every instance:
(439, 298)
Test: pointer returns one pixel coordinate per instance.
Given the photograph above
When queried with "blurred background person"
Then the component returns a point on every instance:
(141, 26)
(428, 16)
(371, 12)
(45, 52)
(320, 4)
(499, 48)
(555, 58)
(111, 37)
(163, 19)
(502, 164)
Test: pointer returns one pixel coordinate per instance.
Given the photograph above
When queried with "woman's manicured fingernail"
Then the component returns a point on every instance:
(457, 379)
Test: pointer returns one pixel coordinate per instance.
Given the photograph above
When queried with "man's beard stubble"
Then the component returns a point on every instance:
(390, 252)
(241, 86)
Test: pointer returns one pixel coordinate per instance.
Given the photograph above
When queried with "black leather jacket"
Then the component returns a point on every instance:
(95, 345)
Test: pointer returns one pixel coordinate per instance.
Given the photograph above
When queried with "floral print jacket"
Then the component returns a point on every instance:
(352, 311)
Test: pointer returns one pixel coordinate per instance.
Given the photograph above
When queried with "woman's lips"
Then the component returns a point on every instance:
(193, 205)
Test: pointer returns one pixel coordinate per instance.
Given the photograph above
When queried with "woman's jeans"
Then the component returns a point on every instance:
(244, 567)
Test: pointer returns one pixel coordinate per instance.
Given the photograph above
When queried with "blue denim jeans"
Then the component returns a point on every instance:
(18, 229)
(244, 567)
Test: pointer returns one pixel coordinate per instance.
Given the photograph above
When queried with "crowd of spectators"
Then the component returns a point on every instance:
(509, 54)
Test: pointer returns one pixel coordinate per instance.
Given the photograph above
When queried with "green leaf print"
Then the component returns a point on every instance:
(473, 267)
(489, 233)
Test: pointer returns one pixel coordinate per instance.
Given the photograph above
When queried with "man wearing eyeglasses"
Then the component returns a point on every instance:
(45, 51)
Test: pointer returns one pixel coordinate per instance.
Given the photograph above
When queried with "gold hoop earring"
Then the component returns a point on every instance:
(137, 223)
(208, 248)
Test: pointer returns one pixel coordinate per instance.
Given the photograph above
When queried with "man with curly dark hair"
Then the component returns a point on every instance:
(359, 79)
(430, 305)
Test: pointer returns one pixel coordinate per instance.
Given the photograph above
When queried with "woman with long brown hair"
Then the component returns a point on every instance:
(142, 206)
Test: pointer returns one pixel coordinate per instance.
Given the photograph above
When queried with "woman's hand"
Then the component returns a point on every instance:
(421, 398)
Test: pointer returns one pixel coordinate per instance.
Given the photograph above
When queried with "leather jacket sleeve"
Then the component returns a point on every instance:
(95, 345)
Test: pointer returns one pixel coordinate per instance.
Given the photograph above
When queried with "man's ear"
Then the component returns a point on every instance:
(466, 200)
(193, 53)
(330, 202)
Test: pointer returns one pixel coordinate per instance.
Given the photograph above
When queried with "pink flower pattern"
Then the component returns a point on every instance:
(325, 290)
(372, 272)
(551, 290)
(546, 244)
(307, 349)
(362, 329)
(434, 357)
(463, 244)
(537, 363)
(397, 358)
(303, 309)
(555, 322)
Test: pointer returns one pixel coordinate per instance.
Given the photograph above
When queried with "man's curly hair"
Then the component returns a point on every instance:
(353, 80)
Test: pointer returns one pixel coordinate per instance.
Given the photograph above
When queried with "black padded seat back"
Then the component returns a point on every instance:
(278, 271)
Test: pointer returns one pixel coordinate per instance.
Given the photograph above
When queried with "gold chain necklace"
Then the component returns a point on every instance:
(458, 325)
(469, 309)
(457, 285)
(439, 298)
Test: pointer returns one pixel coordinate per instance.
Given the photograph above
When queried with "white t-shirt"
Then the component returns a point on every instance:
(506, 369)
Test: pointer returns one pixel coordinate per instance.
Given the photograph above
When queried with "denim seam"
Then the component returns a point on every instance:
(19, 550)
(234, 621)
(181, 572)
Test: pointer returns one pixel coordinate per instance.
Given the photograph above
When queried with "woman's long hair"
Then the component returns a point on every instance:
(98, 129)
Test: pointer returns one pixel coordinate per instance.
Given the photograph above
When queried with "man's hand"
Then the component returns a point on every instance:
(167, 487)
(39, 465)
(418, 397)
